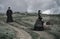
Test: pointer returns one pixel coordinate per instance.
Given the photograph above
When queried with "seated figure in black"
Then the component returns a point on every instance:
(39, 23)
(9, 15)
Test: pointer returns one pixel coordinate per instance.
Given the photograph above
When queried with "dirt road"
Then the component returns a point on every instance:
(21, 34)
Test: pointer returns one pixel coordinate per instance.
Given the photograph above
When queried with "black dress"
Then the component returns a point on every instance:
(39, 23)
(9, 16)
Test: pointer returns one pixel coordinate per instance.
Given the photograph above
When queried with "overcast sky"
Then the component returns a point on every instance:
(47, 6)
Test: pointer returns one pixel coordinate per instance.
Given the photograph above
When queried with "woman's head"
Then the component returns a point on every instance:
(9, 8)
(39, 11)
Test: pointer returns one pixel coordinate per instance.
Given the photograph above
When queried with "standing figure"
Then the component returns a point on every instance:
(39, 23)
(9, 15)
(39, 15)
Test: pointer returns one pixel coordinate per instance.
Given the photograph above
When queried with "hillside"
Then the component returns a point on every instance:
(23, 24)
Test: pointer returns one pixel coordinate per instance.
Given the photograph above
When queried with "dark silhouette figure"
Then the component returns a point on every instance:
(9, 15)
(39, 15)
(39, 23)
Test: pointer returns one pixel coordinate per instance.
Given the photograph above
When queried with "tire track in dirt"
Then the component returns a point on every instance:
(26, 29)
(21, 34)
(44, 34)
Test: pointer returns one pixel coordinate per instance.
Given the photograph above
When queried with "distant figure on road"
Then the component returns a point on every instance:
(9, 15)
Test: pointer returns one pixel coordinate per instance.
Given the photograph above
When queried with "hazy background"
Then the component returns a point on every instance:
(47, 6)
